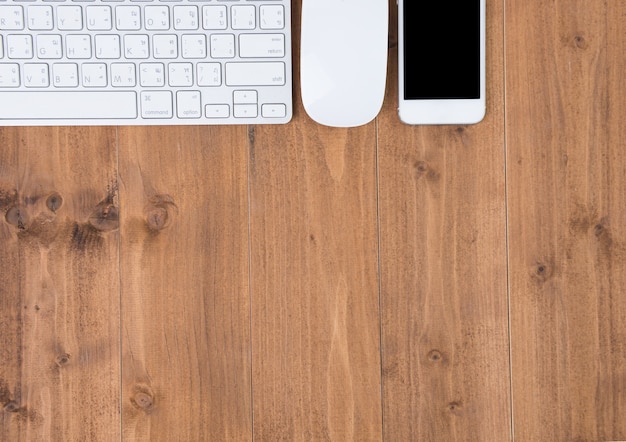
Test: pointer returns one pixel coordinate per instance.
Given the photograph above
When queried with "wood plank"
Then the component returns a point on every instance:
(443, 268)
(62, 374)
(10, 303)
(315, 316)
(185, 284)
(566, 107)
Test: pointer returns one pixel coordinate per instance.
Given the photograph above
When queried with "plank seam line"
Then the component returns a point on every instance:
(119, 276)
(506, 225)
(250, 351)
(379, 266)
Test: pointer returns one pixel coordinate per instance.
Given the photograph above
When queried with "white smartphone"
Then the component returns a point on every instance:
(441, 60)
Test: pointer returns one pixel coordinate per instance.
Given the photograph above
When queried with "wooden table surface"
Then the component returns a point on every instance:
(305, 283)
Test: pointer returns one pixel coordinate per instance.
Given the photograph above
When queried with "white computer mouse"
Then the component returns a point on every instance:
(343, 60)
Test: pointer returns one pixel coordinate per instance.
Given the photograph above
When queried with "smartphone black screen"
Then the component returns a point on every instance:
(441, 49)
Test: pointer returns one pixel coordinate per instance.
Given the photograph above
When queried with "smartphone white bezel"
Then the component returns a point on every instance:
(426, 111)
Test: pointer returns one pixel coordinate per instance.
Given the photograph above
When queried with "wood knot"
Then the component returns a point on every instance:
(601, 228)
(580, 42)
(54, 202)
(105, 217)
(598, 230)
(391, 370)
(7, 197)
(159, 212)
(435, 356)
(17, 216)
(455, 408)
(157, 218)
(62, 359)
(462, 133)
(143, 399)
(541, 271)
(422, 168)
(11, 407)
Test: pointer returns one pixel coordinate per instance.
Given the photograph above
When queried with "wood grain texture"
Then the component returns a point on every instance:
(567, 223)
(10, 303)
(315, 316)
(304, 283)
(443, 268)
(315, 288)
(60, 359)
(185, 284)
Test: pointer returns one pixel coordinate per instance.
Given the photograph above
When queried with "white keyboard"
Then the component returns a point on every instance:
(145, 62)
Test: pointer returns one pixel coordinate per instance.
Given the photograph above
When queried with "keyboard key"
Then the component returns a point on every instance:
(243, 17)
(222, 46)
(156, 104)
(78, 46)
(193, 46)
(99, 18)
(11, 18)
(209, 74)
(9, 75)
(36, 75)
(151, 74)
(65, 75)
(186, 17)
(272, 16)
(128, 18)
(245, 97)
(255, 74)
(69, 18)
(49, 46)
(245, 110)
(165, 46)
(274, 110)
(107, 46)
(20, 46)
(136, 46)
(67, 105)
(261, 45)
(157, 18)
(214, 17)
(217, 111)
(40, 18)
(180, 74)
(123, 75)
(94, 74)
(188, 104)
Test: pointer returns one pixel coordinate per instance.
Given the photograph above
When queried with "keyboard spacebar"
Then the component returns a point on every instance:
(83, 105)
